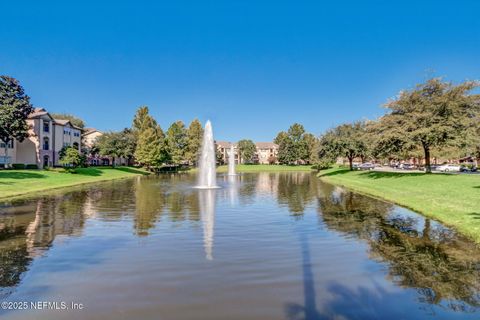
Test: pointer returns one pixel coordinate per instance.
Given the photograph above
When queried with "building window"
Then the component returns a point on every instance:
(46, 126)
(45, 144)
(66, 144)
(9, 144)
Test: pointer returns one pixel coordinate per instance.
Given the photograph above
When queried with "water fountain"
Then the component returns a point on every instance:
(207, 178)
(231, 162)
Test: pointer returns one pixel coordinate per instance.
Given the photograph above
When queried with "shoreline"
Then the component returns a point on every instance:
(421, 198)
(26, 178)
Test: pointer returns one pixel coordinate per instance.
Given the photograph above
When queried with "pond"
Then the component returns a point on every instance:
(264, 246)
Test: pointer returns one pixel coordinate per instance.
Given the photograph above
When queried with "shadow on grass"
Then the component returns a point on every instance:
(334, 173)
(374, 174)
(92, 172)
(383, 174)
(132, 170)
(475, 215)
(20, 175)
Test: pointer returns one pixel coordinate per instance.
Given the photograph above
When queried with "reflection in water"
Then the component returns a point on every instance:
(287, 235)
(29, 228)
(309, 310)
(442, 267)
(207, 211)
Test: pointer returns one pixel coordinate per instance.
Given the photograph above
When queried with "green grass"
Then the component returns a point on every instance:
(14, 183)
(451, 199)
(264, 168)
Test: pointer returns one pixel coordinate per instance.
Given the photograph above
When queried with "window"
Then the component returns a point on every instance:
(10, 144)
(45, 143)
(66, 144)
(46, 126)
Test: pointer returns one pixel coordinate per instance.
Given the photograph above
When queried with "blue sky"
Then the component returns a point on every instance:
(252, 67)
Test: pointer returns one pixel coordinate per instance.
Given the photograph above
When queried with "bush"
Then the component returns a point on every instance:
(31, 166)
(18, 166)
(322, 165)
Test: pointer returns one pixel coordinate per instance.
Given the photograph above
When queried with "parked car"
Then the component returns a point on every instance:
(366, 166)
(468, 168)
(406, 166)
(449, 168)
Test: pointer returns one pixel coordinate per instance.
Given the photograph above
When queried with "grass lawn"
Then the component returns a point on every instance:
(20, 182)
(451, 199)
(264, 168)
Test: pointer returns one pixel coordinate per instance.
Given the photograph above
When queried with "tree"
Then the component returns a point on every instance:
(70, 157)
(309, 151)
(142, 120)
(246, 150)
(434, 114)
(14, 110)
(177, 142)
(76, 121)
(295, 145)
(117, 144)
(194, 141)
(343, 141)
(151, 150)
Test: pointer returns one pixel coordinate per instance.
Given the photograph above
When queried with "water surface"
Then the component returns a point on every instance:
(264, 246)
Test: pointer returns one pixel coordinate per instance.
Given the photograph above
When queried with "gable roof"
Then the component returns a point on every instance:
(87, 131)
(64, 122)
(266, 145)
(38, 112)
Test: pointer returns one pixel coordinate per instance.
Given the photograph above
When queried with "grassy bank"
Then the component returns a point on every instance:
(264, 168)
(15, 183)
(451, 199)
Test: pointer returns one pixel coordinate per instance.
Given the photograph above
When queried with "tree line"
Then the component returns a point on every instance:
(149, 145)
(435, 118)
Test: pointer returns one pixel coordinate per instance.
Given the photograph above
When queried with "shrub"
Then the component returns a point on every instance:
(31, 166)
(322, 165)
(18, 166)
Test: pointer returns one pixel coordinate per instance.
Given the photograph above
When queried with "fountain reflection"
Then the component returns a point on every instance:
(207, 212)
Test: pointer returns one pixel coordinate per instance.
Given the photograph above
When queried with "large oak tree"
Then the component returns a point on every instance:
(14, 109)
(434, 114)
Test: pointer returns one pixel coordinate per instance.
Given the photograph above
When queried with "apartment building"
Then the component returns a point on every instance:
(266, 152)
(46, 137)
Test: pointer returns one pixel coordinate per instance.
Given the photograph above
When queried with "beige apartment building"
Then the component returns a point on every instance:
(47, 136)
(266, 152)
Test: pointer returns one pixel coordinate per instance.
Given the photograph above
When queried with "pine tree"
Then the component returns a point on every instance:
(194, 141)
(176, 141)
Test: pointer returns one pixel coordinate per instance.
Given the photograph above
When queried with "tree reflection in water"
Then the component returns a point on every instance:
(441, 266)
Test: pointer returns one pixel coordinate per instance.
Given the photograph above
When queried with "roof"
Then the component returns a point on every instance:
(64, 122)
(223, 144)
(87, 131)
(266, 145)
(38, 112)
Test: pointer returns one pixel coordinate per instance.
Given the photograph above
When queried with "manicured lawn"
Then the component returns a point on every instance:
(264, 168)
(20, 182)
(451, 199)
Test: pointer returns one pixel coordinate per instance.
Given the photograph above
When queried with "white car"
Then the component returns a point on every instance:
(449, 168)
